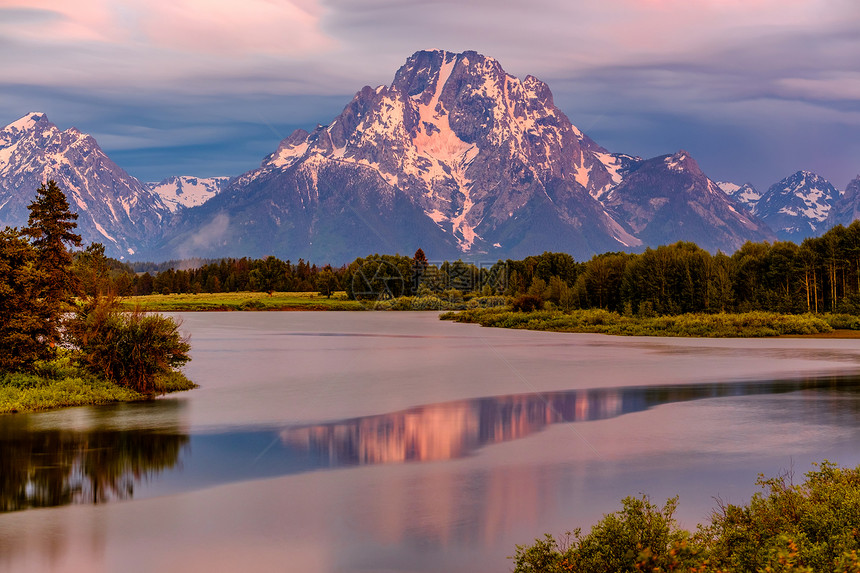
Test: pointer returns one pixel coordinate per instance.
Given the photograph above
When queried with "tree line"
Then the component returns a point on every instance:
(270, 274)
(821, 274)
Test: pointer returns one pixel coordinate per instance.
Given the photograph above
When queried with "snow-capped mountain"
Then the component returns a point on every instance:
(184, 191)
(846, 209)
(455, 156)
(476, 160)
(113, 207)
(669, 198)
(746, 194)
(798, 206)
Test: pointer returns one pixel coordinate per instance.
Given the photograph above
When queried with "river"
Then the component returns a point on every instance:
(344, 442)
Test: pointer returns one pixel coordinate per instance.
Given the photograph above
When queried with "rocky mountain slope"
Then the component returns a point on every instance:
(846, 208)
(459, 158)
(669, 198)
(113, 207)
(183, 191)
(798, 206)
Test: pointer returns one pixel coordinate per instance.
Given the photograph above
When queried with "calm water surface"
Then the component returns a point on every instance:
(326, 442)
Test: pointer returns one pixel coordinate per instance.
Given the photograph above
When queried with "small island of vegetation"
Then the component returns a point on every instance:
(64, 340)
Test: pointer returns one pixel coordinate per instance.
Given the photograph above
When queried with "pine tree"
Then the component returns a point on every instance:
(24, 316)
(51, 228)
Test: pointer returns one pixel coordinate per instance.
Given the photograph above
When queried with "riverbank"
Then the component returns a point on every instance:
(60, 383)
(719, 325)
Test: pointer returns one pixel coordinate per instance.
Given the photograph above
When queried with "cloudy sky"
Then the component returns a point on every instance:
(754, 89)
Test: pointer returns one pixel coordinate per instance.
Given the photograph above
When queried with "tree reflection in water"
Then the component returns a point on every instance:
(43, 467)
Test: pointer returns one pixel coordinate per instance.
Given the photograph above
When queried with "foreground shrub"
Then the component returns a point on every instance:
(813, 526)
(134, 349)
(57, 383)
(820, 517)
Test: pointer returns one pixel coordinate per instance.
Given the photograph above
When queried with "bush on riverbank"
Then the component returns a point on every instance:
(812, 526)
(721, 325)
(134, 349)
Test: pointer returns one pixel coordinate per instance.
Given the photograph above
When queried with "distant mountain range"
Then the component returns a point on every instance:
(454, 156)
(801, 205)
(178, 193)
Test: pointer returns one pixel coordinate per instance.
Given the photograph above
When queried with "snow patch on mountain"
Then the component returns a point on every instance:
(289, 154)
(746, 194)
(185, 191)
(798, 206)
(25, 123)
(728, 187)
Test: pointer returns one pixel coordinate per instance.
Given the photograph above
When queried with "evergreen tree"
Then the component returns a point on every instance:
(23, 312)
(51, 228)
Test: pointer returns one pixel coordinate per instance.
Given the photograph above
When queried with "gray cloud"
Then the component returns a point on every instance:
(755, 89)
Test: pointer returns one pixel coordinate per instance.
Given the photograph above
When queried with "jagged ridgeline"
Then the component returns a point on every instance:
(455, 156)
(459, 157)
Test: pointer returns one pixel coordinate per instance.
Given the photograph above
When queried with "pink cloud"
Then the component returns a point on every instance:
(214, 27)
(236, 28)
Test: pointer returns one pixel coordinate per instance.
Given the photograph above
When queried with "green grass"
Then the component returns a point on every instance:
(719, 325)
(241, 301)
(61, 383)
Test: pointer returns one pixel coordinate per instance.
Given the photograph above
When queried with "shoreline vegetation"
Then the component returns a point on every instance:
(754, 324)
(61, 383)
(786, 527)
(497, 311)
(64, 340)
(240, 301)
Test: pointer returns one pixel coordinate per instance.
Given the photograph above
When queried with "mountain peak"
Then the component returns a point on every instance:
(746, 194)
(183, 191)
(682, 161)
(26, 123)
(797, 206)
(113, 207)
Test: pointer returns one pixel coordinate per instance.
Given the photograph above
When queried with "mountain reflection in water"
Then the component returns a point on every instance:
(115, 459)
(457, 429)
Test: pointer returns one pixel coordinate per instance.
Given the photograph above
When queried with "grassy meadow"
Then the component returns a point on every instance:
(231, 301)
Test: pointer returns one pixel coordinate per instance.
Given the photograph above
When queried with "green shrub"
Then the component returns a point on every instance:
(813, 526)
(134, 349)
(843, 321)
(527, 303)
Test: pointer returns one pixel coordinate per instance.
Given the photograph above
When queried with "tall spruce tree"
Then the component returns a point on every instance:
(24, 316)
(51, 229)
